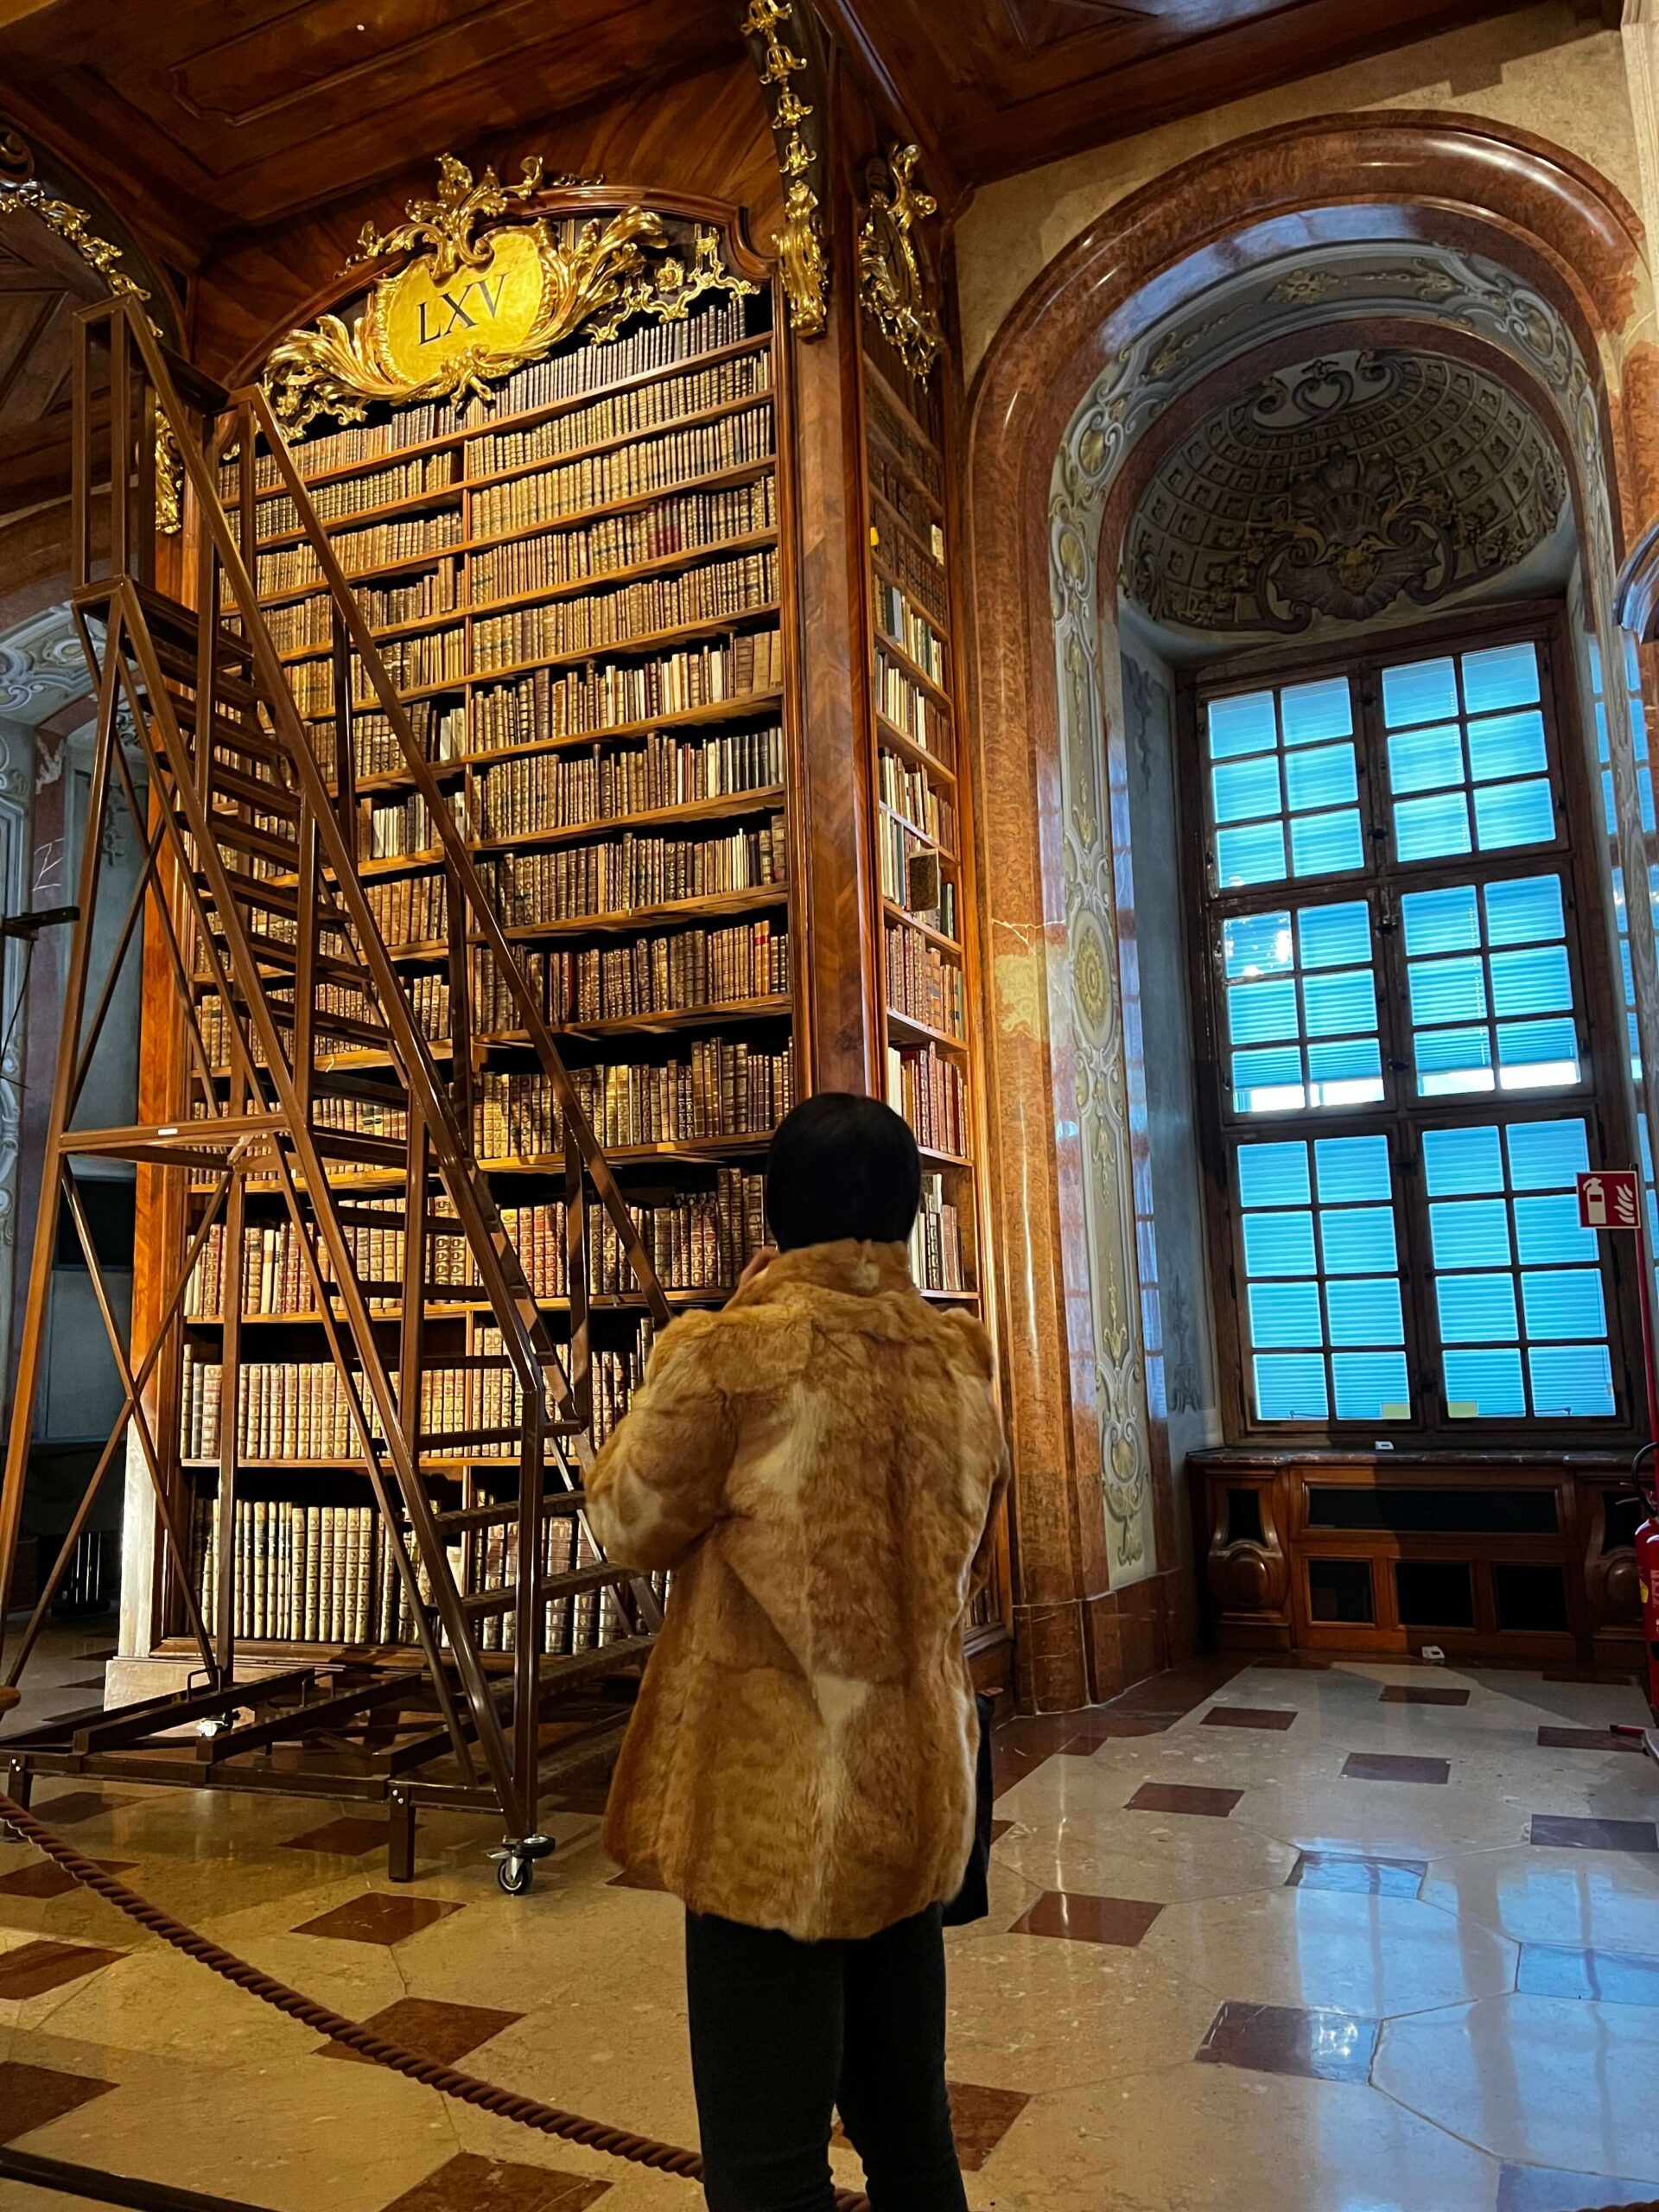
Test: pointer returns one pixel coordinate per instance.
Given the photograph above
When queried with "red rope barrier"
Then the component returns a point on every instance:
(448, 2080)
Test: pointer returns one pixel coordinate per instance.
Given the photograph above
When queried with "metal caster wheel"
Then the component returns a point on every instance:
(515, 1875)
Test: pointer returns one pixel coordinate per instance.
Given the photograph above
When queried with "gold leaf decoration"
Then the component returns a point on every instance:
(445, 226)
(800, 242)
(891, 283)
(529, 289)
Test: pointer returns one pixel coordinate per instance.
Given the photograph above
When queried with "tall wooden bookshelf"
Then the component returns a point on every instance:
(926, 967)
(579, 583)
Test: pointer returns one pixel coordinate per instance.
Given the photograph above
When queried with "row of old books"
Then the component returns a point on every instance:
(410, 909)
(439, 730)
(217, 1030)
(649, 348)
(554, 790)
(911, 507)
(623, 874)
(896, 846)
(301, 1410)
(920, 576)
(699, 1240)
(709, 593)
(625, 415)
(909, 708)
(922, 983)
(392, 829)
(929, 1090)
(294, 568)
(671, 971)
(623, 472)
(917, 459)
(936, 1240)
(720, 1089)
(909, 791)
(614, 695)
(361, 495)
(325, 1574)
(684, 523)
(614, 1374)
(909, 630)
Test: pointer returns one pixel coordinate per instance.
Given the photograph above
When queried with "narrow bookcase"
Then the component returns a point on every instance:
(923, 888)
(579, 585)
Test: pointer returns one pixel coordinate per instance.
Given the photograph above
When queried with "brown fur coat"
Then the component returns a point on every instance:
(819, 1463)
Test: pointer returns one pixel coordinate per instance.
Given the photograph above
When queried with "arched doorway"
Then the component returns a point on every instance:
(1431, 236)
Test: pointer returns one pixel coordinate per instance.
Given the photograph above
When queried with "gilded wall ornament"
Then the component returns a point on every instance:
(800, 243)
(891, 282)
(471, 307)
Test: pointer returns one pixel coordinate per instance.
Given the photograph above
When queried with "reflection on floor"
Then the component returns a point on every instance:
(1359, 1939)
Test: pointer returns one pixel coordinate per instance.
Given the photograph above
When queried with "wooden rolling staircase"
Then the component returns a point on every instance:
(321, 1077)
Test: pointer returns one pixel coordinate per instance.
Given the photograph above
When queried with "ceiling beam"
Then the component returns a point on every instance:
(886, 77)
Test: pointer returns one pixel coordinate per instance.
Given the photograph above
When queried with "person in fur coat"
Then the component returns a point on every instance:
(820, 1466)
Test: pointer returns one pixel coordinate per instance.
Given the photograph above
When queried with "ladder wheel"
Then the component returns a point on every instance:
(515, 1875)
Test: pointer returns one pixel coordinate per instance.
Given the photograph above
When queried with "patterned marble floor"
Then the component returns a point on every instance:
(1358, 1939)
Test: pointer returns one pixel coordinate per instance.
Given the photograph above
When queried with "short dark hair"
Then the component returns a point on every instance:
(842, 1165)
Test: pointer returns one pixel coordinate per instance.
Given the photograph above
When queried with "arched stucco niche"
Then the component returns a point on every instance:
(1453, 232)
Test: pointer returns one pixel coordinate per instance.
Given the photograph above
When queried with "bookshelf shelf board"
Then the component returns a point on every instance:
(678, 910)
(896, 399)
(905, 919)
(645, 644)
(718, 479)
(949, 1297)
(458, 1309)
(630, 1025)
(897, 814)
(686, 1148)
(954, 1160)
(914, 751)
(765, 798)
(392, 779)
(438, 494)
(934, 621)
(742, 708)
(528, 418)
(923, 1031)
(918, 674)
(439, 1047)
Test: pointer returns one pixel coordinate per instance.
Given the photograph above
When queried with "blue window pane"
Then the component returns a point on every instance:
(1527, 912)
(1459, 1162)
(1476, 1309)
(1547, 1155)
(1566, 1302)
(1290, 1388)
(1348, 1071)
(1503, 676)
(1324, 777)
(1242, 790)
(1440, 921)
(1509, 745)
(1273, 1175)
(1421, 691)
(1278, 1244)
(1252, 856)
(1537, 1055)
(1312, 711)
(1335, 1005)
(1514, 814)
(1242, 725)
(1321, 844)
(1546, 1232)
(1487, 1381)
(1257, 944)
(1572, 1379)
(1366, 1312)
(1358, 1240)
(1535, 981)
(1447, 990)
(1472, 1234)
(1285, 1315)
(1424, 760)
(1263, 1081)
(1334, 936)
(1260, 1014)
(1609, 804)
(1453, 1063)
(1367, 1383)
(1352, 1169)
(1429, 828)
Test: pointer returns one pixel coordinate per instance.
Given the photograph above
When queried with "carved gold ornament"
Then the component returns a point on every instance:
(890, 283)
(800, 242)
(468, 310)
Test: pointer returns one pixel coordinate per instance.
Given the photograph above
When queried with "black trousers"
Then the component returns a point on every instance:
(782, 2033)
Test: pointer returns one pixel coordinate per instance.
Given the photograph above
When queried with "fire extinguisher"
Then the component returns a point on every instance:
(1646, 1564)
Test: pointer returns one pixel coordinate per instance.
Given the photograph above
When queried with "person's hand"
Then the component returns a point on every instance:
(758, 1265)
